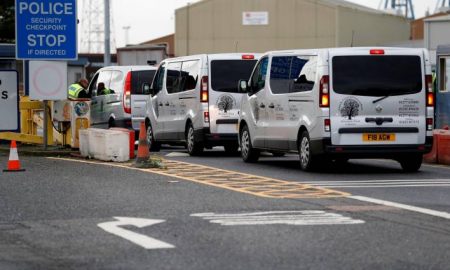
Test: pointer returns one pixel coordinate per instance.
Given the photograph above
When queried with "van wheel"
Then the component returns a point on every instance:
(248, 153)
(411, 163)
(231, 148)
(307, 160)
(152, 144)
(194, 148)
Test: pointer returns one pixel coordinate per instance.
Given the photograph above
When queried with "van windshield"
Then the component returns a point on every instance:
(377, 75)
(225, 74)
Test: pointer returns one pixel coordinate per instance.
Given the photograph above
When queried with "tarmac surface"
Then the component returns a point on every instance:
(63, 214)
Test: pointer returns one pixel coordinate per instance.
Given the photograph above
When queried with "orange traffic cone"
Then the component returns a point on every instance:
(13, 162)
(143, 155)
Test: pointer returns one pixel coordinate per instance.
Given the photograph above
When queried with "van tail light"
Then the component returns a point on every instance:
(430, 124)
(204, 97)
(206, 117)
(127, 94)
(377, 52)
(327, 125)
(430, 94)
(324, 98)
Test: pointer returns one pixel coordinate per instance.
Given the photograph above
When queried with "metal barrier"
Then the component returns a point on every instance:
(30, 122)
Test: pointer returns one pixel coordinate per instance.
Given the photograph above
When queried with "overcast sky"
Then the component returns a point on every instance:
(149, 19)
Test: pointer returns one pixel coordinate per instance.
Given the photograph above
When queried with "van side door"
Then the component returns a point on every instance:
(258, 103)
(154, 105)
(98, 101)
(169, 113)
(187, 102)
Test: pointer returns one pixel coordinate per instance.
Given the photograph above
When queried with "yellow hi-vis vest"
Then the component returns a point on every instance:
(74, 90)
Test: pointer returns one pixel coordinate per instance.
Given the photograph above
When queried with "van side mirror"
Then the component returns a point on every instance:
(146, 89)
(243, 86)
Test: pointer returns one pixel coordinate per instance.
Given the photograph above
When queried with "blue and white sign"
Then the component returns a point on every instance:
(46, 29)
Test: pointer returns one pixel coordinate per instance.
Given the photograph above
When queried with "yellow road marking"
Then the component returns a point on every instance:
(231, 180)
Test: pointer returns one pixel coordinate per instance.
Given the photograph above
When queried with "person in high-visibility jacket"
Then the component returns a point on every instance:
(78, 90)
(102, 90)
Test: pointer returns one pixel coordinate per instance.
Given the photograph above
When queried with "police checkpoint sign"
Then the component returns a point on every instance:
(46, 29)
(9, 100)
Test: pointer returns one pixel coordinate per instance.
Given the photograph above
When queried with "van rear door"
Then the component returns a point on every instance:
(377, 97)
(225, 71)
(139, 96)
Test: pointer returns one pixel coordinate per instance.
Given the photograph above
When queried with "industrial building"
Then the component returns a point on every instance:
(213, 26)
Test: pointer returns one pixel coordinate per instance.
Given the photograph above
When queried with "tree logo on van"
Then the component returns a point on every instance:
(350, 107)
(226, 103)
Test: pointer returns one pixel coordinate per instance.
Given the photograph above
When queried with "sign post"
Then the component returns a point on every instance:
(9, 100)
(46, 30)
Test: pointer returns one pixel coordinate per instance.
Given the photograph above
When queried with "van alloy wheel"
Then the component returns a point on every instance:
(190, 139)
(307, 159)
(245, 141)
(304, 152)
(248, 153)
(194, 147)
(152, 144)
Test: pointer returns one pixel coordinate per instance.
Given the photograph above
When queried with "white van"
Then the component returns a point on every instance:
(338, 104)
(195, 101)
(126, 83)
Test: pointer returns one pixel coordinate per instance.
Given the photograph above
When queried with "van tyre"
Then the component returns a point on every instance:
(193, 146)
(152, 144)
(307, 159)
(411, 163)
(248, 153)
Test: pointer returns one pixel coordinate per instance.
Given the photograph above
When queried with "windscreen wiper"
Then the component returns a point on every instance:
(380, 99)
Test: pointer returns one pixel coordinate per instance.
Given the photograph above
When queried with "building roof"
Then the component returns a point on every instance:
(335, 3)
(443, 18)
(142, 47)
(7, 50)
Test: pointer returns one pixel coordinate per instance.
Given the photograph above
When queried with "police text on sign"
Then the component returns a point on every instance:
(46, 29)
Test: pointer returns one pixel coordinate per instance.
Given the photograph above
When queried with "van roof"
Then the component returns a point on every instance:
(215, 56)
(128, 68)
(343, 50)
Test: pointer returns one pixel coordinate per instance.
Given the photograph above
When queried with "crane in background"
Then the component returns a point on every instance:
(402, 7)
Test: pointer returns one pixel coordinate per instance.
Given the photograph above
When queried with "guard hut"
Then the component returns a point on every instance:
(443, 86)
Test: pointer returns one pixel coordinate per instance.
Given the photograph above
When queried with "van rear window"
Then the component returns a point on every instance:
(225, 74)
(377, 75)
(138, 78)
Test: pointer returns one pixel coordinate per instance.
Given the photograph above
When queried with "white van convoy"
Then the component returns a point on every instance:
(113, 90)
(338, 104)
(195, 101)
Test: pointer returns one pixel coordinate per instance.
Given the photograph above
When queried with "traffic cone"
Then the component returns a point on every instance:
(13, 162)
(143, 155)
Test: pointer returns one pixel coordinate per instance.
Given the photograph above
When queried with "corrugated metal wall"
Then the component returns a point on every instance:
(214, 26)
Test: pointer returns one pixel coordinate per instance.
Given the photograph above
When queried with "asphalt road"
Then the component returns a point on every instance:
(50, 216)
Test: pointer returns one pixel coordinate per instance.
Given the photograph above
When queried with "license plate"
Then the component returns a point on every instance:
(378, 137)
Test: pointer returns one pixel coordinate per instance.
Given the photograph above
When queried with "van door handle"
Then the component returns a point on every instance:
(271, 106)
(167, 104)
(160, 104)
(262, 105)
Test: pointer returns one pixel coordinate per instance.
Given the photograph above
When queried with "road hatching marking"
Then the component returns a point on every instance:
(231, 180)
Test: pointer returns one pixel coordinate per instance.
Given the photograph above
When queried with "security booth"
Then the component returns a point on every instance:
(443, 86)
(71, 116)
